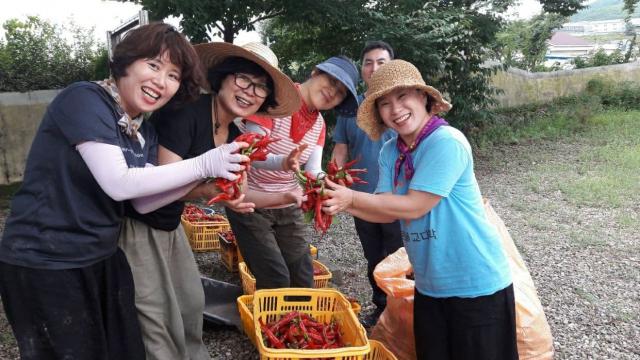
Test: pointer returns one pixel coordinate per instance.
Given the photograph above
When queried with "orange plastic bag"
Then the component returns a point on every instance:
(395, 327)
(533, 333)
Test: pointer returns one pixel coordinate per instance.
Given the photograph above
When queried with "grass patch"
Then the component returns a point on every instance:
(628, 221)
(538, 224)
(587, 238)
(605, 173)
(585, 295)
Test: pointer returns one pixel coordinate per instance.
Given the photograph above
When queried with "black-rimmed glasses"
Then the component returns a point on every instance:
(244, 82)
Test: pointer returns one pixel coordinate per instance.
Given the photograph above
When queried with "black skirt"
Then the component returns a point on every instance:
(84, 313)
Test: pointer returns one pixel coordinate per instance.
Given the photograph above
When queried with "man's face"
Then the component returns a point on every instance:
(372, 61)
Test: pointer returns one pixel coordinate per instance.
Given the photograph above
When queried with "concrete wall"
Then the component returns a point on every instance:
(523, 87)
(20, 116)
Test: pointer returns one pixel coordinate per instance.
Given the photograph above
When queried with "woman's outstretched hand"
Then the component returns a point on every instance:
(223, 161)
(340, 197)
(292, 161)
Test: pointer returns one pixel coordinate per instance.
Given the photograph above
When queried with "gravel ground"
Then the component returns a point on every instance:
(584, 261)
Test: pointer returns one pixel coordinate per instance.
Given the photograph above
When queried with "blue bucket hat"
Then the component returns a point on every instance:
(345, 71)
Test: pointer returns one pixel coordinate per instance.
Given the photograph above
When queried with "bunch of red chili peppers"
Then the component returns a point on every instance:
(194, 214)
(314, 190)
(296, 330)
(257, 151)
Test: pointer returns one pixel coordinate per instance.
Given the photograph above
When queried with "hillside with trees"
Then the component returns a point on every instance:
(603, 10)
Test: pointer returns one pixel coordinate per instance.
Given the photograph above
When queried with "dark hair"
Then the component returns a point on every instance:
(377, 44)
(149, 41)
(235, 64)
(430, 101)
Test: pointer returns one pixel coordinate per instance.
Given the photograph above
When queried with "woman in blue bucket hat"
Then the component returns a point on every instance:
(272, 240)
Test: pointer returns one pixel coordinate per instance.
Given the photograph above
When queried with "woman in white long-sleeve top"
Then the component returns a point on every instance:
(66, 287)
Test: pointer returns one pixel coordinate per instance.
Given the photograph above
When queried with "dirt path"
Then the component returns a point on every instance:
(585, 261)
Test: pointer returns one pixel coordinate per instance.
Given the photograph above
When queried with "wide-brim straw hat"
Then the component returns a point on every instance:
(393, 75)
(285, 91)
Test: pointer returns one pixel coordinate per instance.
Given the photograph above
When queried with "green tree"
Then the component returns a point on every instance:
(524, 44)
(630, 6)
(36, 55)
(600, 58)
(447, 40)
(563, 7)
(223, 18)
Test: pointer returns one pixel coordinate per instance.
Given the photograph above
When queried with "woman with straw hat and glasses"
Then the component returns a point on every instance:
(67, 289)
(272, 240)
(464, 306)
(242, 81)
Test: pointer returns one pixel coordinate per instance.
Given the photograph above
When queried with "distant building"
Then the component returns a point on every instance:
(563, 47)
(598, 27)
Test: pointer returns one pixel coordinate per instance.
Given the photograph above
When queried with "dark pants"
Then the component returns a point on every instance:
(273, 245)
(378, 241)
(76, 314)
(480, 328)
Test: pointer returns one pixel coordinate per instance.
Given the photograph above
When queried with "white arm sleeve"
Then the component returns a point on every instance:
(109, 167)
(150, 203)
(314, 163)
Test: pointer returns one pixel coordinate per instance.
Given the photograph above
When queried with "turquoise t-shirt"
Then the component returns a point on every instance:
(453, 249)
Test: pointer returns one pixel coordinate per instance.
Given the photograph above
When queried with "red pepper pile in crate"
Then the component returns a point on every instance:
(296, 330)
(194, 214)
(257, 151)
(317, 270)
(312, 207)
(228, 236)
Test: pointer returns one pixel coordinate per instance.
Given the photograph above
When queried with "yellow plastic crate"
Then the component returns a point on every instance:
(355, 306)
(379, 352)
(203, 235)
(245, 308)
(324, 305)
(249, 281)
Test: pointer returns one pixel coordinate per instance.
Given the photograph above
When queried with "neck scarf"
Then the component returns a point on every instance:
(127, 125)
(405, 151)
(301, 121)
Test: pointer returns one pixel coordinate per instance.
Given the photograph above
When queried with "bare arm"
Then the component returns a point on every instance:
(382, 208)
(340, 153)
(264, 200)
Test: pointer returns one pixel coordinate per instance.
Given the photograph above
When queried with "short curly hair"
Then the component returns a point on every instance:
(149, 41)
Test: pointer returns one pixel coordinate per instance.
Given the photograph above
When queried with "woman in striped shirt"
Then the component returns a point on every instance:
(272, 239)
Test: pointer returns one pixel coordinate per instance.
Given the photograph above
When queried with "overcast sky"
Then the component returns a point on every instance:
(107, 15)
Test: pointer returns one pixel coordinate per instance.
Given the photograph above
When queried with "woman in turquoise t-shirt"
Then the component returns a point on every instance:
(464, 305)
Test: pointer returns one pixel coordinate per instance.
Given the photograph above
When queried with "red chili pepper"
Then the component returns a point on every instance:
(350, 163)
(284, 321)
(275, 342)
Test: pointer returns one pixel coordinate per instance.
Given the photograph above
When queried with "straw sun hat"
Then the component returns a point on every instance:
(286, 93)
(393, 75)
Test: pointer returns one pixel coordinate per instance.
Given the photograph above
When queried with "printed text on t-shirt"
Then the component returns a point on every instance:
(429, 234)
